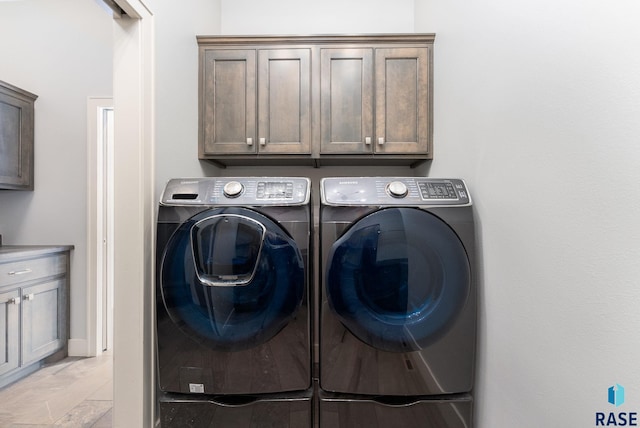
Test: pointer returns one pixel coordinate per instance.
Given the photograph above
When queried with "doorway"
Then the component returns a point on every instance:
(101, 224)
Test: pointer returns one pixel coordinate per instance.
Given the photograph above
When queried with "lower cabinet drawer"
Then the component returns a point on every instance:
(30, 269)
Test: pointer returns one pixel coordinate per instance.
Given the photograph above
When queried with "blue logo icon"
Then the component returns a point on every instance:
(616, 395)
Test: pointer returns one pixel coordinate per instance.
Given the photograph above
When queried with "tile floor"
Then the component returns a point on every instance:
(74, 392)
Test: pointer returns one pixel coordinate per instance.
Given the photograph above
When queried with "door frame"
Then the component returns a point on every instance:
(134, 215)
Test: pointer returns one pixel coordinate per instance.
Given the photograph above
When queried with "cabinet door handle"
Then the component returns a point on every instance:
(19, 272)
(367, 140)
(29, 296)
(249, 141)
(263, 141)
(14, 301)
(381, 141)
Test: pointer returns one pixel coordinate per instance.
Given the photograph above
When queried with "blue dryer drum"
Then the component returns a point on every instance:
(231, 278)
(397, 278)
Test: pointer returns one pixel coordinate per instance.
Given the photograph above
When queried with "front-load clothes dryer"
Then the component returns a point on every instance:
(398, 302)
(232, 302)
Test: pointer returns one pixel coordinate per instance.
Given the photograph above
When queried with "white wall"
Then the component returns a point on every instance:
(63, 61)
(537, 106)
(316, 17)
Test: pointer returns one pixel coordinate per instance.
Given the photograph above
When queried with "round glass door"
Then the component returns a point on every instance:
(231, 278)
(397, 278)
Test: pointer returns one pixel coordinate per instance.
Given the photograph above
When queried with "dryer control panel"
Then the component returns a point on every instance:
(367, 191)
(238, 191)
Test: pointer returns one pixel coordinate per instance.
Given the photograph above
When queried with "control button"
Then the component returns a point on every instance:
(397, 189)
(233, 189)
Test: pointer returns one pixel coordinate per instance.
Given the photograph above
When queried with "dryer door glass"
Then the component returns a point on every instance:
(231, 278)
(398, 278)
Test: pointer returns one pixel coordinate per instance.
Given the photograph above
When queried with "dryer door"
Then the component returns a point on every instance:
(397, 278)
(231, 278)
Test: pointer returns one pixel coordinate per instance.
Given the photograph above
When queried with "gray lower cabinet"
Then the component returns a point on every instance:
(16, 137)
(34, 308)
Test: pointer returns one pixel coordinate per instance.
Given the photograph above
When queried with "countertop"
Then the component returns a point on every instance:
(10, 252)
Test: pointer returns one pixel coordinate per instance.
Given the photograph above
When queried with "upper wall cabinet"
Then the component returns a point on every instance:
(16, 137)
(316, 100)
(374, 101)
(256, 101)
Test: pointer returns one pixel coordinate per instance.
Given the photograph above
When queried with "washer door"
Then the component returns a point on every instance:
(231, 278)
(398, 278)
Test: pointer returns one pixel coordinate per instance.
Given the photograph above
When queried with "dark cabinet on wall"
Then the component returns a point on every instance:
(375, 100)
(256, 101)
(316, 100)
(16, 137)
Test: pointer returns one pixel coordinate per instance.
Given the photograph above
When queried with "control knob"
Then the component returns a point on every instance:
(233, 189)
(397, 189)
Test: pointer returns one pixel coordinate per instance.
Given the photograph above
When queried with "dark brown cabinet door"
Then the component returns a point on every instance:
(9, 330)
(16, 137)
(284, 101)
(228, 102)
(42, 320)
(346, 100)
(402, 100)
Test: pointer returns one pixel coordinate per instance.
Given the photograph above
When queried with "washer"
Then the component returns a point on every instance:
(232, 302)
(398, 302)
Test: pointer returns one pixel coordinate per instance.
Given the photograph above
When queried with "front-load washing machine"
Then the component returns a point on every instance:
(398, 303)
(233, 319)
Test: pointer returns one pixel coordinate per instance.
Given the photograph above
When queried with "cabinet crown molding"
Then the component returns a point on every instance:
(317, 39)
(9, 89)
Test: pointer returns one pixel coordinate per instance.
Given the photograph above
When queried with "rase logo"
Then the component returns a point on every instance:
(615, 397)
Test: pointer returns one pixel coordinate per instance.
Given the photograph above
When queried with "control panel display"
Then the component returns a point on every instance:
(274, 190)
(437, 190)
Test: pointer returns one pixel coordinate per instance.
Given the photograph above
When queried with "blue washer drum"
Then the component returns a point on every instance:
(397, 278)
(231, 278)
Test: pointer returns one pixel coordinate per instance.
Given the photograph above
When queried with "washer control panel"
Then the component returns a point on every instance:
(247, 191)
(393, 191)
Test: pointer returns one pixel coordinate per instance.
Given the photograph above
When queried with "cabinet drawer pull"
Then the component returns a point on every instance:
(381, 141)
(367, 140)
(14, 301)
(249, 141)
(263, 141)
(19, 272)
(29, 296)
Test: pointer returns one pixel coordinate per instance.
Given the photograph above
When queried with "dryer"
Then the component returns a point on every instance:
(398, 302)
(232, 302)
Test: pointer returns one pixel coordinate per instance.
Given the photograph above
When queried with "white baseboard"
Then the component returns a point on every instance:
(78, 348)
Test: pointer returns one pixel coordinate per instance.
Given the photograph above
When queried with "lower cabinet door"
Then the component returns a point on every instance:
(42, 321)
(9, 330)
